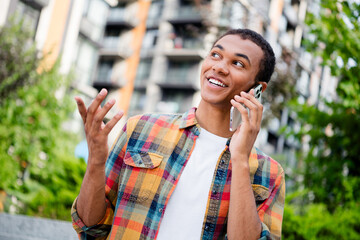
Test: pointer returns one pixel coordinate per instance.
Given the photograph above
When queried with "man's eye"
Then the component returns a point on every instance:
(238, 63)
(215, 55)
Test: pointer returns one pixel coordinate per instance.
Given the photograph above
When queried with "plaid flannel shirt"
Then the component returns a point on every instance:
(144, 167)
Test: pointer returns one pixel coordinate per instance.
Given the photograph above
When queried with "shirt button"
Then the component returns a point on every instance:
(214, 192)
(160, 210)
(206, 227)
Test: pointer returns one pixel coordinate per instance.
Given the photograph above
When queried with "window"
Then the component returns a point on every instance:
(96, 11)
(105, 71)
(302, 83)
(138, 101)
(143, 72)
(111, 38)
(29, 15)
(175, 101)
(189, 36)
(117, 14)
(85, 60)
(182, 72)
(150, 39)
(272, 140)
(154, 13)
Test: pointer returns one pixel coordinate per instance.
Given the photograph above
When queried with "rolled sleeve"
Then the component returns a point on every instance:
(112, 170)
(97, 231)
(271, 211)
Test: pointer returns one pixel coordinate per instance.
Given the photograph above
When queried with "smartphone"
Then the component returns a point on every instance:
(235, 115)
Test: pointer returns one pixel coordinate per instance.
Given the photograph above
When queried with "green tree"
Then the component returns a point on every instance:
(328, 206)
(38, 169)
(331, 171)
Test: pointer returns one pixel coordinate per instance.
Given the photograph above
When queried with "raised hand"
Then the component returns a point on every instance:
(244, 137)
(96, 130)
(91, 203)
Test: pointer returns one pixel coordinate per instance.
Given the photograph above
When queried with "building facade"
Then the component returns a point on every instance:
(148, 53)
(65, 30)
(179, 33)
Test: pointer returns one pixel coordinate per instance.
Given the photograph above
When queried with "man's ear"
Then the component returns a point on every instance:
(264, 85)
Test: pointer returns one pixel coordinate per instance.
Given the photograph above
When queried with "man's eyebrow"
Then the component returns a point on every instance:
(236, 54)
(243, 56)
(219, 46)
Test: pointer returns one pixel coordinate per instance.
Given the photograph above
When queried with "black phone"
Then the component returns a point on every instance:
(235, 115)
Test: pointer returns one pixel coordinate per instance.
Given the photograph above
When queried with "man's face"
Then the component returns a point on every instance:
(229, 68)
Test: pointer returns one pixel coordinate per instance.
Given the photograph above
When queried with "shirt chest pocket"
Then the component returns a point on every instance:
(261, 193)
(142, 175)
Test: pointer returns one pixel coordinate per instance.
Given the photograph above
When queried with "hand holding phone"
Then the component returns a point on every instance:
(235, 115)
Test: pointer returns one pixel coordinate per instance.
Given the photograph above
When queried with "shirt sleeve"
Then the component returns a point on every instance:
(271, 210)
(112, 171)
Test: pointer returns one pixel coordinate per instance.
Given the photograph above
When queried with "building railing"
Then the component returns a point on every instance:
(112, 46)
(104, 77)
(117, 14)
(110, 42)
(188, 43)
(187, 12)
(180, 76)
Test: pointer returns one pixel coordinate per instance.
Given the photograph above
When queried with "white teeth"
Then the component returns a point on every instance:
(216, 82)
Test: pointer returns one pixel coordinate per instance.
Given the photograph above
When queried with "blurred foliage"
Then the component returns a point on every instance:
(331, 127)
(19, 60)
(281, 88)
(316, 222)
(38, 169)
(326, 205)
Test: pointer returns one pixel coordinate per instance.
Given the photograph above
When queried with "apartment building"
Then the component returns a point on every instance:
(69, 31)
(148, 53)
(66, 29)
(178, 35)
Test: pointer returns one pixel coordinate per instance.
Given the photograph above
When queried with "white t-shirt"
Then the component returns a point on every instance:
(185, 211)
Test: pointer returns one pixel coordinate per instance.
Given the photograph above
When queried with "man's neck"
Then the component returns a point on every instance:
(214, 119)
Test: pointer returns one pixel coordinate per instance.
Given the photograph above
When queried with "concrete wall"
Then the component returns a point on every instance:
(19, 227)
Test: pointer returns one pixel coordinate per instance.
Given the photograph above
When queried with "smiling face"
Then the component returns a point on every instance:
(230, 67)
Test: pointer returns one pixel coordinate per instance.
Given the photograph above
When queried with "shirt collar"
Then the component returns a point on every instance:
(188, 119)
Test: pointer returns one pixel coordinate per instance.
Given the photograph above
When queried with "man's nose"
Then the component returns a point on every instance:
(221, 68)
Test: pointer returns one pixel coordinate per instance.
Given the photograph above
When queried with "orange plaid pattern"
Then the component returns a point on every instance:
(144, 167)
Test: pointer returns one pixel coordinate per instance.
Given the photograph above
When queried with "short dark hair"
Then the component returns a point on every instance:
(267, 63)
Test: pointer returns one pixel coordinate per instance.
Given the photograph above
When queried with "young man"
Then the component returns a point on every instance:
(187, 176)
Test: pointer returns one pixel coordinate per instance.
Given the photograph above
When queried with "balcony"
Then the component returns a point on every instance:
(174, 100)
(112, 48)
(185, 49)
(186, 14)
(107, 85)
(117, 18)
(182, 77)
(37, 4)
(126, 1)
(152, 22)
(105, 77)
(141, 79)
(187, 43)
(91, 32)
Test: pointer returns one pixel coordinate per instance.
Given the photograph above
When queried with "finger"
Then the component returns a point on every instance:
(241, 108)
(81, 107)
(94, 106)
(110, 125)
(252, 113)
(101, 113)
(254, 106)
(250, 95)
